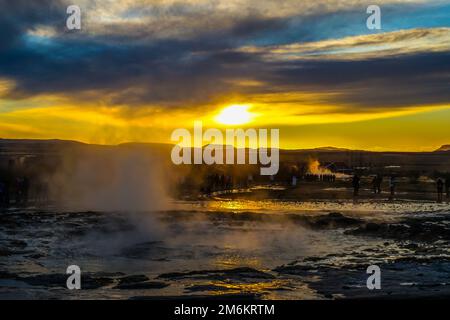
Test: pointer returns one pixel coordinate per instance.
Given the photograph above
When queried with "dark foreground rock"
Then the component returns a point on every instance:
(333, 220)
(236, 273)
(238, 296)
(59, 280)
(142, 285)
(139, 282)
(401, 278)
(428, 229)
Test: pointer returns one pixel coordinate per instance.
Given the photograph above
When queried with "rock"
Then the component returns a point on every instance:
(18, 244)
(59, 280)
(372, 227)
(95, 283)
(236, 273)
(133, 279)
(142, 285)
(335, 220)
(5, 252)
(46, 280)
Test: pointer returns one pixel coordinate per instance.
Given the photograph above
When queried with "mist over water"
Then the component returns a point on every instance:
(120, 181)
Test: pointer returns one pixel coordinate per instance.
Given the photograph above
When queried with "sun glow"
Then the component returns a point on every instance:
(234, 114)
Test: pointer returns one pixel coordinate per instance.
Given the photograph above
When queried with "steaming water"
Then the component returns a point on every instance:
(290, 250)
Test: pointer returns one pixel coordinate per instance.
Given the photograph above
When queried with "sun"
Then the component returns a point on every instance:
(235, 114)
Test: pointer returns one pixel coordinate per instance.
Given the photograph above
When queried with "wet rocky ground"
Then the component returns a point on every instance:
(213, 250)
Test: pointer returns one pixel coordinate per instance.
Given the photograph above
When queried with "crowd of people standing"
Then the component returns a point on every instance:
(16, 191)
(442, 186)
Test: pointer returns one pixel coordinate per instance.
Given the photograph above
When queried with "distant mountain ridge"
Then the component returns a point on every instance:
(444, 148)
(56, 151)
(329, 148)
(70, 143)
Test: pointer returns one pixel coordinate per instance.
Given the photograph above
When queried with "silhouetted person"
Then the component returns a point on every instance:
(356, 184)
(379, 182)
(42, 192)
(2, 193)
(392, 185)
(375, 184)
(440, 189)
(18, 190)
(230, 183)
(447, 188)
(294, 181)
(7, 196)
(25, 189)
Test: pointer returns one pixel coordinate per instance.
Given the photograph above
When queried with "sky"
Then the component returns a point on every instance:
(138, 69)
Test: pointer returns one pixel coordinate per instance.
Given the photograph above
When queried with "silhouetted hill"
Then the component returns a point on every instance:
(407, 161)
(331, 149)
(444, 148)
(34, 146)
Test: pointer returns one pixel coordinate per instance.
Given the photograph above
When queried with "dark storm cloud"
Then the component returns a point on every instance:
(407, 80)
(181, 72)
(16, 16)
(166, 72)
(256, 26)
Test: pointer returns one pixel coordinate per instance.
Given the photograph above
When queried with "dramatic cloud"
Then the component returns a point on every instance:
(303, 58)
